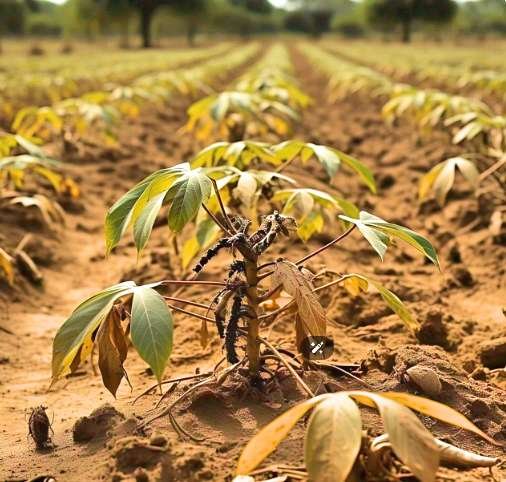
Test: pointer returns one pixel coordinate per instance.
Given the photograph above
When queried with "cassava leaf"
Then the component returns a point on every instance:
(437, 410)
(265, 442)
(441, 177)
(112, 351)
(311, 312)
(333, 439)
(84, 320)
(144, 223)
(411, 441)
(151, 328)
(192, 190)
(355, 283)
(378, 232)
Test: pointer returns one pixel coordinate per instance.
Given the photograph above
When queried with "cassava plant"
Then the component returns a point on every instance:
(246, 299)
(337, 449)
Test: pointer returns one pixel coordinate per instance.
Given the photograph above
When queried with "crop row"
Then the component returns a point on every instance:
(469, 121)
(97, 112)
(446, 69)
(33, 86)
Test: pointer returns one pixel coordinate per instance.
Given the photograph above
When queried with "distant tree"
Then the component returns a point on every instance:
(12, 17)
(315, 16)
(405, 12)
(147, 9)
(257, 6)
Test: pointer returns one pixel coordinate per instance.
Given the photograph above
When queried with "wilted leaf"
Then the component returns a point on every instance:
(84, 320)
(269, 437)
(411, 441)
(437, 410)
(151, 328)
(333, 439)
(112, 351)
(311, 312)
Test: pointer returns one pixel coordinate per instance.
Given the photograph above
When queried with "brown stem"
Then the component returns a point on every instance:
(216, 220)
(190, 313)
(222, 207)
(253, 347)
(192, 282)
(328, 245)
(187, 302)
(288, 366)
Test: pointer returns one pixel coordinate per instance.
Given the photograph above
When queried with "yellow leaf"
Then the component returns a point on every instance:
(266, 441)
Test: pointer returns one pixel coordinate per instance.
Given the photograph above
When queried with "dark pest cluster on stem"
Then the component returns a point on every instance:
(239, 284)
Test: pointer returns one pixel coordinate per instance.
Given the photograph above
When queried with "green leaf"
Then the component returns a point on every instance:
(120, 214)
(377, 231)
(144, 224)
(82, 323)
(193, 190)
(355, 283)
(333, 439)
(151, 328)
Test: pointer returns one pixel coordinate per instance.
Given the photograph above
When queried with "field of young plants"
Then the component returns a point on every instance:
(274, 260)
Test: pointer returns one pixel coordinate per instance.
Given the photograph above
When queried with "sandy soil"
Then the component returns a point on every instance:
(460, 309)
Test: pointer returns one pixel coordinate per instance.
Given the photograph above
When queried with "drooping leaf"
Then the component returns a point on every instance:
(112, 351)
(355, 283)
(328, 157)
(333, 439)
(269, 437)
(81, 324)
(411, 441)
(151, 328)
(441, 177)
(144, 223)
(311, 312)
(378, 232)
(437, 410)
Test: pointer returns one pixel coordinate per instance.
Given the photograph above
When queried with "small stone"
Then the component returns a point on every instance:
(158, 440)
(463, 276)
(426, 379)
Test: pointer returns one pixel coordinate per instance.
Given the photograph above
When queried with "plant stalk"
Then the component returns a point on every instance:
(253, 345)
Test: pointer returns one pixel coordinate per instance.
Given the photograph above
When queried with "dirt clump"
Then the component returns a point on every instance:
(493, 353)
(97, 424)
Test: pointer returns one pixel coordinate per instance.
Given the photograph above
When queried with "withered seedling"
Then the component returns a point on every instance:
(256, 275)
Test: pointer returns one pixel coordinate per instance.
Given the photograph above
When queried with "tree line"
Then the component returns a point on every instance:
(247, 17)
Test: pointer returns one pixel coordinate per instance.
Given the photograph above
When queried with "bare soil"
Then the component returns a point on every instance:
(460, 308)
